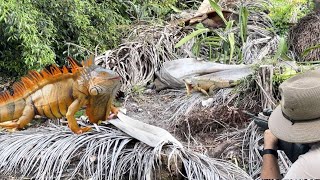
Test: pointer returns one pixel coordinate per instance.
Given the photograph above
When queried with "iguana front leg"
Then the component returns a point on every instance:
(111, 108)
(212, 89)
(72, 122)
(189, 88)
(201, 90)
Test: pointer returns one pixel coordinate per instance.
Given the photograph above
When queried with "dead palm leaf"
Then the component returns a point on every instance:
(56, 153)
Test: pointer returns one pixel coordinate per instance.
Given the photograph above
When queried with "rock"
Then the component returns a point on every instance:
(149, 91)
(207, 103)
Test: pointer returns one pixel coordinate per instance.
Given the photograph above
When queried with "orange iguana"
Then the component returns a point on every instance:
(60, 92)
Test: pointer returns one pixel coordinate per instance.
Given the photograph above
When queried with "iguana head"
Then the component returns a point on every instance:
(103, 85)
(103, 81)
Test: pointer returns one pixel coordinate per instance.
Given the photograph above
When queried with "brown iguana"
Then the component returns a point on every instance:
(222, 79)
(60, 92)
(206, 86)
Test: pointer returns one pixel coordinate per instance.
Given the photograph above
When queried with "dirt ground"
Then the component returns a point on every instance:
(215, 132)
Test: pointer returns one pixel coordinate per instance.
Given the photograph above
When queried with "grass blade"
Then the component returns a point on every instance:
(282, 48)
(190, 36)
(307, 51)
(243, 20)
(232, 45)
(218, 9)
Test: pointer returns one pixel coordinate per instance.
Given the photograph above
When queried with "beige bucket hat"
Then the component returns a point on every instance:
(297, 118)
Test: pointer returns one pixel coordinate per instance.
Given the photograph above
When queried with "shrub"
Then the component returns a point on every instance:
(34, 33)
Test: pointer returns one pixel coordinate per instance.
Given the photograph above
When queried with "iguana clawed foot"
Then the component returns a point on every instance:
(82, 130)
(113, 112)
(10, 126)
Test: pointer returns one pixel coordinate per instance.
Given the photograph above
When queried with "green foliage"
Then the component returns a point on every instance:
(281, 74)
(79, 113)
(21, 40)
(190, 36)
(34, 33)
(138, 89)
(243, 22)
(282, 49)
(223, 44)
(140, 10)
(218, 9)
(282, 12)
(86, 23)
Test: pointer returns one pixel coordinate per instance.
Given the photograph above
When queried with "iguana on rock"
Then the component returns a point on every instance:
(60, 92)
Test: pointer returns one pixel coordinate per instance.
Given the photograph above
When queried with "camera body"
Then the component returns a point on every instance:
(292, 150)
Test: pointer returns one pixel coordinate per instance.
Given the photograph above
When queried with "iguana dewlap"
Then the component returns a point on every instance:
(61, 92)
(222, 79)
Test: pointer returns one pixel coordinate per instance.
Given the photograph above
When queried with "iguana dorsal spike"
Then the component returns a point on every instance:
(75, 66)
(35, 80)
(55, 70)
(88, 62)
(64, 70)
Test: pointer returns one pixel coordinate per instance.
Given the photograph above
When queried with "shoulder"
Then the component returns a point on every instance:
(307, 165)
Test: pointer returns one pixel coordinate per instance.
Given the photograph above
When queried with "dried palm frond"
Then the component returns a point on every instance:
(142, 53)
(182, 105)
(234, 151)
(56, 153)
(304, 35)
(147, 47)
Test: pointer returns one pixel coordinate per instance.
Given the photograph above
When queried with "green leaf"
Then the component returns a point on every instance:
(196, 48)
(307, 51)
(232, 45)
(218, 9)
(175, 9)
(221, 36)
(229, 25)
(190, 36)
(200, 26)
(243, 20)
(282, 48)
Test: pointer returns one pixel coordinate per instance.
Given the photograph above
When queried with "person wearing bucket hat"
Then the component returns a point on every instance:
(296, 120)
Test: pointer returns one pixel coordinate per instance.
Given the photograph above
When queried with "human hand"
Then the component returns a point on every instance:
(270, 141)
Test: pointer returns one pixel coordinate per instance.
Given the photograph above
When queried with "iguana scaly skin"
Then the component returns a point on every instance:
(206, 86)
(60, 92)
(208, 83)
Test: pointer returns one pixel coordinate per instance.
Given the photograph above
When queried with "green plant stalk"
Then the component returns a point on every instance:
(243, 20)
(232, 45)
